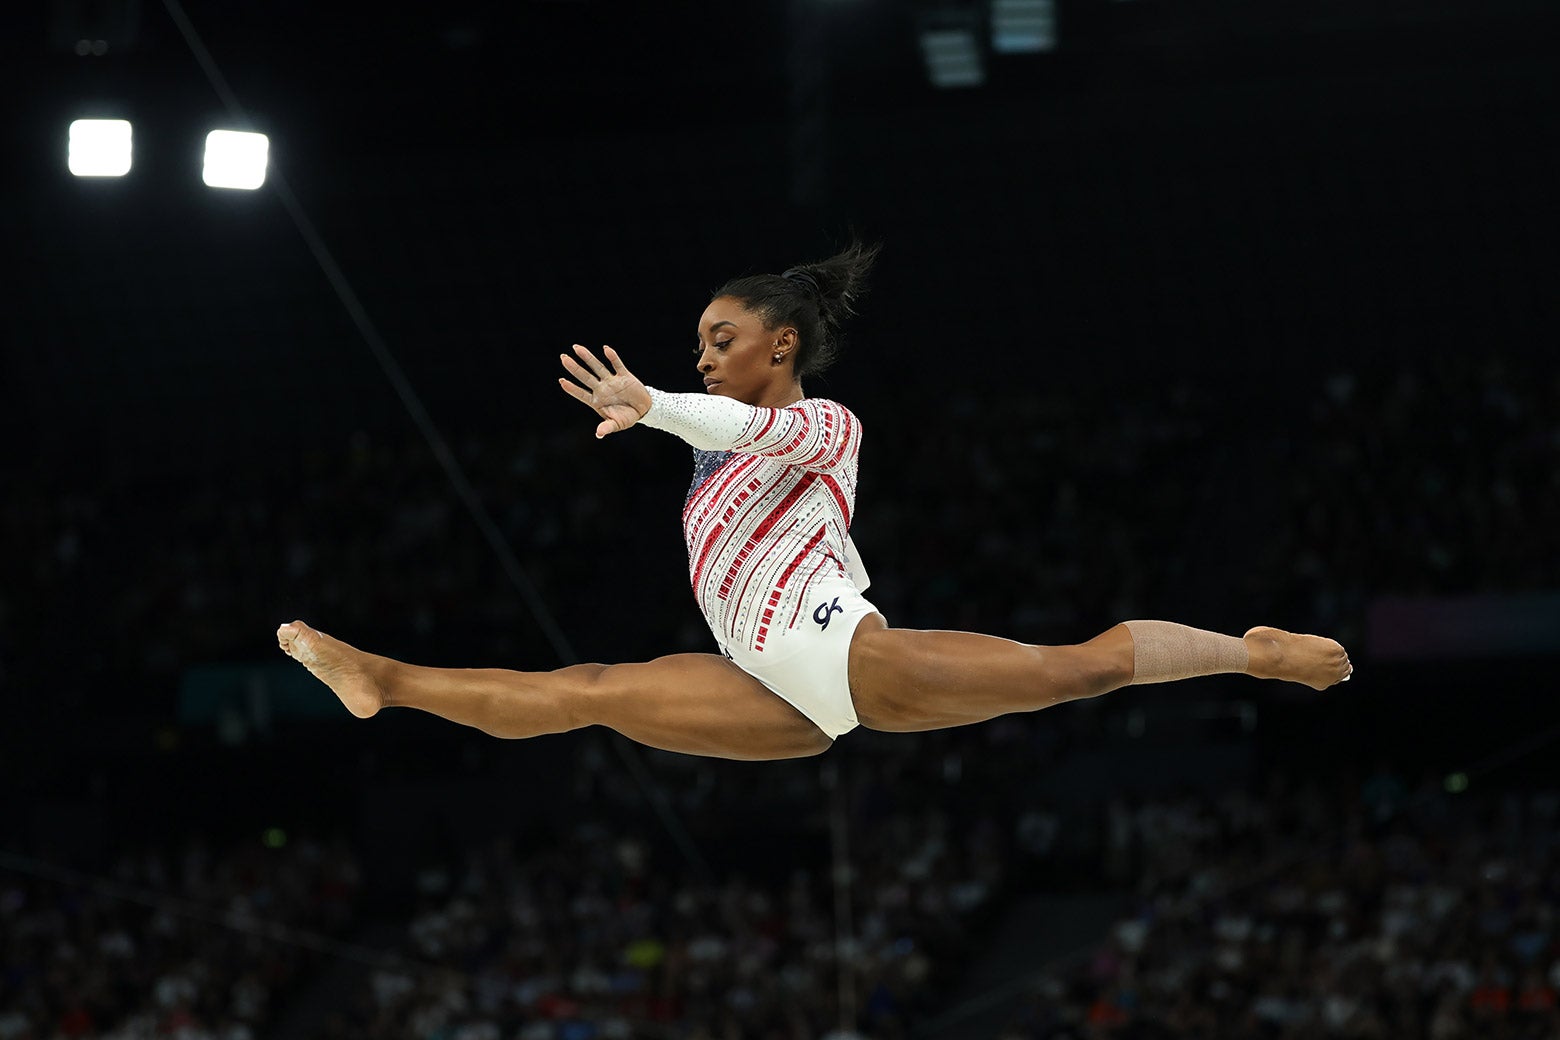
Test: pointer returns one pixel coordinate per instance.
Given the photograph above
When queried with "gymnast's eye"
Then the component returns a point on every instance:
(723, 345)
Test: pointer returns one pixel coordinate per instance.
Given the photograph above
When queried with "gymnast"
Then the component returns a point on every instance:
(804, 656)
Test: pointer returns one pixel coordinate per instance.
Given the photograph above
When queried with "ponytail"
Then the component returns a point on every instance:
(813, 298)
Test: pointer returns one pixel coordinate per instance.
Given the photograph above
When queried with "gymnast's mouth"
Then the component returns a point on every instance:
(711, 384)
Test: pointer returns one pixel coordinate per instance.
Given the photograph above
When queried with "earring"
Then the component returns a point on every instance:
(779, 358)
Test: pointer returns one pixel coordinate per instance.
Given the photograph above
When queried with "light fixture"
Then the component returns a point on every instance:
(99, 148)
(235, 159)
(1023, 26)
(951, 49)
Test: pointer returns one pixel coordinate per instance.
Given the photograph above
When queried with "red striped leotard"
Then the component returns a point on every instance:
(769, 510)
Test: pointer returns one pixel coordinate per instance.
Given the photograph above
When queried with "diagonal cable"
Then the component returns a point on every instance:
(436, 442)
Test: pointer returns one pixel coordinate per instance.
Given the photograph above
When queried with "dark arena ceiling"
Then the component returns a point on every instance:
(494, 178)
(470, 72)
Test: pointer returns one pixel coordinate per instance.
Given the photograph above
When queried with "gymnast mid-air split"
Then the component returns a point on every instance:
(804, 656)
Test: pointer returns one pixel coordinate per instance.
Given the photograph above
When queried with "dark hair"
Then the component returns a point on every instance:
(814, 299)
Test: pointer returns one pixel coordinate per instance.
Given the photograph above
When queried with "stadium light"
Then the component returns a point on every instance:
(1023, 26)
(235, 159)
(99, 148)
(952, 54)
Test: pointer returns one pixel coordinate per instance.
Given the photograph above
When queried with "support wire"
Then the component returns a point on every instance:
(516, 574)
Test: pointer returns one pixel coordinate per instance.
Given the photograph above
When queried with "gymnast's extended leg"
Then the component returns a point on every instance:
(904, 680)
(697, 704)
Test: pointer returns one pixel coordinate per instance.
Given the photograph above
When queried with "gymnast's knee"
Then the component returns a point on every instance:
(1096, 667)
(581, 691)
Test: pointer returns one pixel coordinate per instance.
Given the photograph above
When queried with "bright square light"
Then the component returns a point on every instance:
(235, 159)
(99, 148)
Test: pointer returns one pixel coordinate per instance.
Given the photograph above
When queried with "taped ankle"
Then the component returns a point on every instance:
(1163, 651)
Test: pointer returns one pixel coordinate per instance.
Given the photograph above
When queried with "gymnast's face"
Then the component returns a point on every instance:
(736, 356)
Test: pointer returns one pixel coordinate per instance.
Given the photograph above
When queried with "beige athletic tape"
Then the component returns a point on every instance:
(1163, 651)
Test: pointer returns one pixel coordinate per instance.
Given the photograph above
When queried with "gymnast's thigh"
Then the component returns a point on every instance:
(904, 680)
(699, 704)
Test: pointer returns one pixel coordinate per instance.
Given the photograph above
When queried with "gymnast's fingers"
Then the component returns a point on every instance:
(574, 391)
(578, 371)
(590, 359)
(618, 368)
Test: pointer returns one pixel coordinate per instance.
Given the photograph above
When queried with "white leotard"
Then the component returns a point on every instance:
(768, 514)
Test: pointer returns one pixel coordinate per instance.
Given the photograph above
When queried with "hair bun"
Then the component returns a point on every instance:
(829, 290)
(804, 279)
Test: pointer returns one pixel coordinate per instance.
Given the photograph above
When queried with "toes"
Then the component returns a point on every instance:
(290, 637)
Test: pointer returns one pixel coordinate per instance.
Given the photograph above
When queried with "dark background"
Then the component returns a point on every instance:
(1221, 313)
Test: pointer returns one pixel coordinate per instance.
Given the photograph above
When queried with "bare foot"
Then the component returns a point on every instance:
(348, 671)
(1316, 661)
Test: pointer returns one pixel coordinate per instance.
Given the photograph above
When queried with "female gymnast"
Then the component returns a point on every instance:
(804, 656)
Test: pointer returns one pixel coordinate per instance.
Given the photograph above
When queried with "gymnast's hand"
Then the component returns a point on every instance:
(617, 396)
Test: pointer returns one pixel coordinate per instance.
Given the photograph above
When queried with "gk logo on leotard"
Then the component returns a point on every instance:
(826, 611)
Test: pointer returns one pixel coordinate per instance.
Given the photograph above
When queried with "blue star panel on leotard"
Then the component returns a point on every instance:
(704, 464)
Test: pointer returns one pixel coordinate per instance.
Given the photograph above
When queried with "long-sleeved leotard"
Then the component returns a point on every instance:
(769, 510)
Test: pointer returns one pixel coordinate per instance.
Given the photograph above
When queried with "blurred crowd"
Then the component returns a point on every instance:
(1435, 477)
(575, 930)
(1289, 913)
(591, 938)
(1315, 910)
(1341, 905)
(187, 941)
